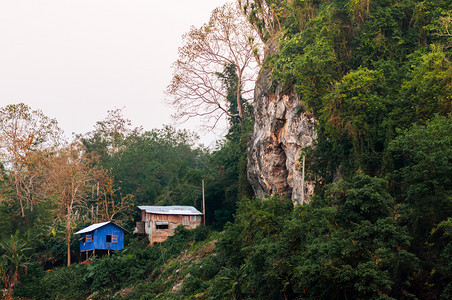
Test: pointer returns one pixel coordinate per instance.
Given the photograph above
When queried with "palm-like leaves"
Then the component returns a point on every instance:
(12, 261)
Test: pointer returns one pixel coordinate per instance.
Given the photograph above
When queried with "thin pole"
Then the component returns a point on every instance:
(203, 204)
(302, 181)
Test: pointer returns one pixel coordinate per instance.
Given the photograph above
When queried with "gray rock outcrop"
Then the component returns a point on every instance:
(282, 128)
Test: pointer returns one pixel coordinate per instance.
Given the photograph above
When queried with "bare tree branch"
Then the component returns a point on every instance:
(196, 90)
(24, 135)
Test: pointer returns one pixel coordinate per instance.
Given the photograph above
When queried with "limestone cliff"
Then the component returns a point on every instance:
(282, 128)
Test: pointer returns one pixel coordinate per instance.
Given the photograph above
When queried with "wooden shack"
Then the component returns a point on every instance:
(159, 222)
(101, 238)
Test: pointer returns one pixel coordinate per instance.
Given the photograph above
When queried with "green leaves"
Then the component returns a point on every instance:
(428, 88)
(347, 243)
(159, 166)
(422, 159)
(364, 68)
(352, 242)
(361, 198)
(354, 109)
(13, 262)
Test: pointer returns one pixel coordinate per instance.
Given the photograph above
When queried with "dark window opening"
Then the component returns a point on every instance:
(162, 226)
(83, 240)
(111, 238)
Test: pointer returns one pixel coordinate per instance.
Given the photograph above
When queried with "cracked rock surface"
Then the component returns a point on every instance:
(281, 129)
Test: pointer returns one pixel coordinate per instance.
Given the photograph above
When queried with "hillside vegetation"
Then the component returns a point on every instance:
(376, 75)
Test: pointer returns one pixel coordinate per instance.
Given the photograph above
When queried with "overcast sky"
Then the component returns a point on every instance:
(76, 59)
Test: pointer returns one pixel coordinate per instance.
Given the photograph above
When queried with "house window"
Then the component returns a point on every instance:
(161, 225)
(111, 238)
(89, 238)
(195, 219)
(186, 220)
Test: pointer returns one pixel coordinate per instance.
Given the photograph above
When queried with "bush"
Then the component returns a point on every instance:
(201, 233)
(61, 283)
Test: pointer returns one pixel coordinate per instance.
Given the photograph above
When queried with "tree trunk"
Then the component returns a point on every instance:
(239, 101)
(68, 249)
(16, 179)
(68, 236)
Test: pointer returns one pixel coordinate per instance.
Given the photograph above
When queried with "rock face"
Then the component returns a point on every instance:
(281, 129)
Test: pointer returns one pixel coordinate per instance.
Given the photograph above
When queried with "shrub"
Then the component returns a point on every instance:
(61, 283)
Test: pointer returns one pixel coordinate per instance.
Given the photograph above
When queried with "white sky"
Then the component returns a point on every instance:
(76, 59)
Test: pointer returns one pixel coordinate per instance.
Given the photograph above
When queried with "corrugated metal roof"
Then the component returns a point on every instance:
(95, 226)
(172, 210)
(92, 227)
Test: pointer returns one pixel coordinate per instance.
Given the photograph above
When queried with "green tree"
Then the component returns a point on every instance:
(265, 16)
(421, 181)
(109, 136)
(12, 262)
(161, 166)
(354, 111)
(348, 244)
(422, 157)
(428, 88)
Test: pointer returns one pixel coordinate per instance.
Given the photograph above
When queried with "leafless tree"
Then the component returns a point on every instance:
(196, 88)
(113, 130)
(70, 178)
(25, 134)
(111, 202)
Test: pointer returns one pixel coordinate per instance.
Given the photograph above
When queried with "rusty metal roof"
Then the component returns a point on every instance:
(172, 210)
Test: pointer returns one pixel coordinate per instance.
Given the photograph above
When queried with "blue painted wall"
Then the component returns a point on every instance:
(100, 238)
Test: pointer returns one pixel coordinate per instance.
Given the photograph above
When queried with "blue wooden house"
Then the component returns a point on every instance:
(102, 237)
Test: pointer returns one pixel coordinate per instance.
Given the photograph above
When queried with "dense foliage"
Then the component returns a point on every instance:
(108, 172)
(107, 277)
(376, 75)
(366, 69)
(378, 78)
